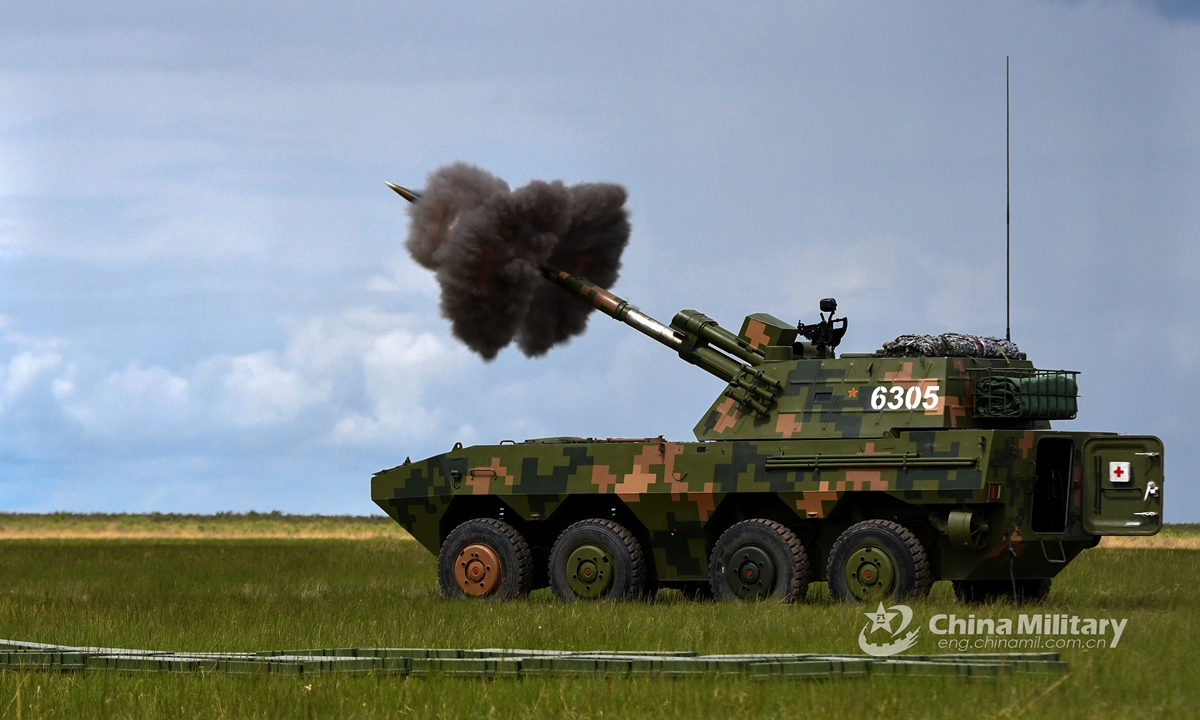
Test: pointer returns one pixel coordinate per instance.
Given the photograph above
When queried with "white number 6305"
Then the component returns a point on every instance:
(902, 398)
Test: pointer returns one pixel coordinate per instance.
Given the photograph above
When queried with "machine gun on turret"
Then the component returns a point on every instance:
(823, 336)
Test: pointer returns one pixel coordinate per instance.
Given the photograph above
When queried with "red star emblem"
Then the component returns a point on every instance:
(853, 393)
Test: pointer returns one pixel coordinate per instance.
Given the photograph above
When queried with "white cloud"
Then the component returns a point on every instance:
(24, 369)
(34, 362)
(62, 388)
(256, 390)
(351, 379)
(152, 384)
(397, 368)
(136, 402)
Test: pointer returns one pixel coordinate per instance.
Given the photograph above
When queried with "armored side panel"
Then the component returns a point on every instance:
(1026, 489)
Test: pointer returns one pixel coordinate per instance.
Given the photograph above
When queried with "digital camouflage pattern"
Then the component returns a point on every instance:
(817, 443)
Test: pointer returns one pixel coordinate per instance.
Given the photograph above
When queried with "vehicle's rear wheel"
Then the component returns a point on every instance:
(757, 560)
(485, 558)
(597, 560)
(877, 560)
(981, 591)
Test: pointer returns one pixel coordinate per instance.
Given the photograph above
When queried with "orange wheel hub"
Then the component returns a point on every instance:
(478, 570)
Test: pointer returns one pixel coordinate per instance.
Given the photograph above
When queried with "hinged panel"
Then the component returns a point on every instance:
(1123, 485)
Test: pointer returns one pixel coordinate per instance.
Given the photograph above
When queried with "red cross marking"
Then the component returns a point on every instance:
(1119, 471)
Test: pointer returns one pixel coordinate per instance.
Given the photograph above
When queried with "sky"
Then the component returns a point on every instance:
(205, 303)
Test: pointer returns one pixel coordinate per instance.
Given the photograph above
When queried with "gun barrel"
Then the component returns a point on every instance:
(613, 306)
(697, 353)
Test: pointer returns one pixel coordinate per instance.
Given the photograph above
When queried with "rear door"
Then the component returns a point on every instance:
(1122, 485)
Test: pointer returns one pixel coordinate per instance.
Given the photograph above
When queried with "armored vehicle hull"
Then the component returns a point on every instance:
(982, 490)
(877, 474)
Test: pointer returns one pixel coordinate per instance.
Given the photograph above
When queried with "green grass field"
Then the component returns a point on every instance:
(245, 593)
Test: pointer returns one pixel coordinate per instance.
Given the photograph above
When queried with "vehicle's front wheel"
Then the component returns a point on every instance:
(758, 560)
(597, 560)
(485, 558)
(878, 560)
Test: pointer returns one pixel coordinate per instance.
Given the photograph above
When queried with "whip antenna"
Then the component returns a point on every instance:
(1007, 216)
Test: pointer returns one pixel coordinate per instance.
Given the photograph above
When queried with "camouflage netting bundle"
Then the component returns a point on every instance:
(488, 243)
(952, 345)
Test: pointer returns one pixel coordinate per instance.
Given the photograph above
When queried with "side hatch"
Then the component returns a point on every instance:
(1123, 485)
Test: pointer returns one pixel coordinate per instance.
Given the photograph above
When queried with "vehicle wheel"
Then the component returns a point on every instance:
(878, 560)
(1029, 590)
(485, 558)
(597, 559)
(758, 559)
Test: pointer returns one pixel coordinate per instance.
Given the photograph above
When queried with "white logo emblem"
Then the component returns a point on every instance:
(882, 619)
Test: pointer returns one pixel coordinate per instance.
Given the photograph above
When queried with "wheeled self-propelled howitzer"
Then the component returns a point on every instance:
(874, 472)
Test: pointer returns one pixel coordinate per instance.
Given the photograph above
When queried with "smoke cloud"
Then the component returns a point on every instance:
(487, 245)
(450, 192)
(590, 248)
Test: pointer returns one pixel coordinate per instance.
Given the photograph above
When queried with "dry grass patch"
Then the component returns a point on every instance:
(1173, 537)
(248, 526)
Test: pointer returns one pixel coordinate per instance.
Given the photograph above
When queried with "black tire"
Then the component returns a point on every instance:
(516, 560)
(872, 541)
(624, 565)
(747, 545)
(1029, 590)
